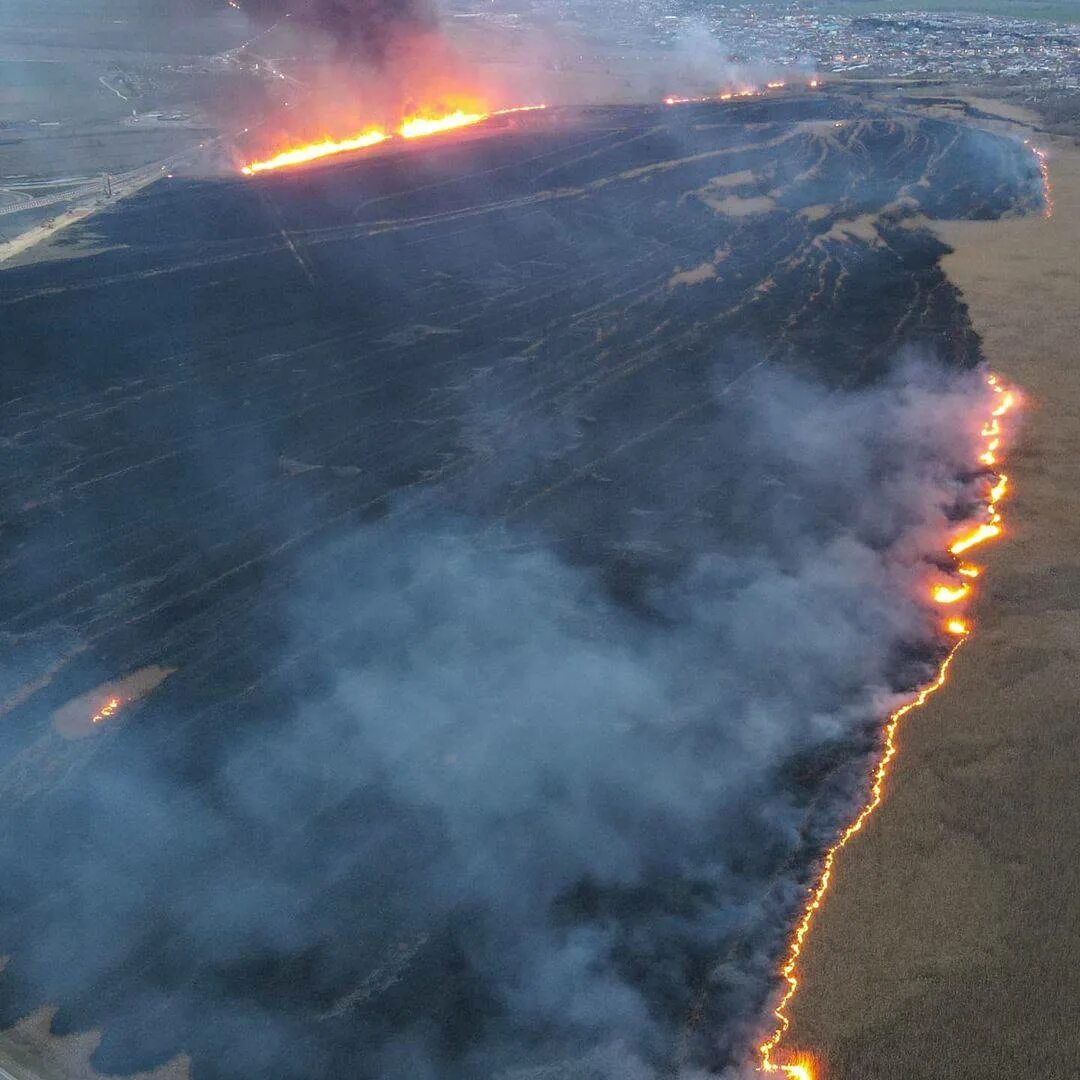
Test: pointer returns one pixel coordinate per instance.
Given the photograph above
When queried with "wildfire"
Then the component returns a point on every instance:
(110, 708)
(1044, 172)
(803, 1068)
(418, 126)
(979, 535)
(316, 150)
(729, 95)
(673, 100)
(950, 594)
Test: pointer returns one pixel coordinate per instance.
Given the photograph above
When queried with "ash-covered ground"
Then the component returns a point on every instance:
(523, 534)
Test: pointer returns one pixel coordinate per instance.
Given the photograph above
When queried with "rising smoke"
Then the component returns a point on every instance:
(510, 825)
(359, 29)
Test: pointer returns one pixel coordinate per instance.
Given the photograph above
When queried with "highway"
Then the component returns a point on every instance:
(123, 184)
(54, 199)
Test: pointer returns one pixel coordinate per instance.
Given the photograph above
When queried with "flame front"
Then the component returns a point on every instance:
(314, 151)
(1044, 172)
(950, 594)
(729, 95)
(417, 126)
(803, 1068)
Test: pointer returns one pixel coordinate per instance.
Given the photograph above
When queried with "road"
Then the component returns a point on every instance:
(122, 183)
(86, 200)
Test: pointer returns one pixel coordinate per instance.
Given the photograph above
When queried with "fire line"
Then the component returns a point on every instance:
(1044, 172)
(418, 126)
(803, 1067)
(728, 95)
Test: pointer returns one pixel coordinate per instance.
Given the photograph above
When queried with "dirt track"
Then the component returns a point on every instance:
(949, 945)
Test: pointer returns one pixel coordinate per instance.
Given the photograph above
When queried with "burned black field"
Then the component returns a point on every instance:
(449, 491)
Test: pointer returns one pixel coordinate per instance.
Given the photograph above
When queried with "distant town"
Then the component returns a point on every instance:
(93, 111)
(895, 44)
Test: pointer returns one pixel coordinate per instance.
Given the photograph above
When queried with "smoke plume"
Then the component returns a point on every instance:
(364, 30)
(504, 822)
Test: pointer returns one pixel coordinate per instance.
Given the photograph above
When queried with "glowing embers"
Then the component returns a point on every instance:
(110, 708)
(418, 126)
(674, 100)
(93, 712)
(957, 627)
(731, 95)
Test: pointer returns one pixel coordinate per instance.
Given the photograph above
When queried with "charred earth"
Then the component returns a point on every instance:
(294, 441)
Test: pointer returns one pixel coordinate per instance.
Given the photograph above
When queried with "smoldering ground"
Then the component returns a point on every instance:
(509, 823)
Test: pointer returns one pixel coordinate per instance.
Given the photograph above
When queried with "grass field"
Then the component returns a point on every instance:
(947, 949)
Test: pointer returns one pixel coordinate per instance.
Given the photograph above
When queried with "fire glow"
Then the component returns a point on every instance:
(418, 126)
(950, 594)
(110, 708)
(1044, 172)
(731, 95)
(803, 1068)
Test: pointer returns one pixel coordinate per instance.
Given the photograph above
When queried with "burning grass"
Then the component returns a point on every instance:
(1003, 401)
(418, 125)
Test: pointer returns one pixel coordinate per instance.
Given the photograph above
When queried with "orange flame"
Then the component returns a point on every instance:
(110, 708)
(950, 594)
(800, 1070)
(1008, 400)
(727, 95)
(417, 126)
(674, 100)
(803, 1069)
(314, 151)
(1044, 172)
(979, 535)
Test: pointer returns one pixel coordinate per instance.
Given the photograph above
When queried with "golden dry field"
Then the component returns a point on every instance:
(949, 945)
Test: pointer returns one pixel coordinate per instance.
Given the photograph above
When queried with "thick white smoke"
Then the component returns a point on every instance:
(516, 827)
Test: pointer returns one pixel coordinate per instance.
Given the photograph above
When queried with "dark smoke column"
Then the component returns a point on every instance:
(363, 29)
